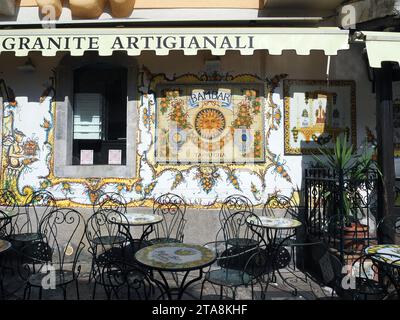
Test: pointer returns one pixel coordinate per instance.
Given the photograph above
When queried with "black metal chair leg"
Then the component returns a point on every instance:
(77, 289)
(262, 292)
(175, 277)
(40, 293)
(2, 295)
(91, 271)
(202, 288)
(94, 290)
(29, 292)
(64, 292)
(27, 287)
(108, 293)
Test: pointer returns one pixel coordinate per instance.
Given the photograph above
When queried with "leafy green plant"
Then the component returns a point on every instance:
(352, 167)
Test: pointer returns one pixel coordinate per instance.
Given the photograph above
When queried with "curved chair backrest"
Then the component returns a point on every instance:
(63, 231)
(111, 201)
(244, 240)
(173, 209)
(243, 225)
(103, 231)
(288, 205)
(233, 204)
(37, 206)
(121, 274)
(8, 202)
(373, 280)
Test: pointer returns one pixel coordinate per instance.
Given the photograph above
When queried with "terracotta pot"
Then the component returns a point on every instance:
(87, 9)
(56, 4)
(121, 8)
(354, 236)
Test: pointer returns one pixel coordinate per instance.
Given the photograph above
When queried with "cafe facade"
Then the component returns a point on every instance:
(203, 111)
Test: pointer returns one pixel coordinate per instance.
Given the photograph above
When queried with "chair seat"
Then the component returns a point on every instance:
(163, 240)
(26, 237)
(62, 278)
(116, 278)
(113, 254)
(108, 240)
(242, 242)
(228, 277)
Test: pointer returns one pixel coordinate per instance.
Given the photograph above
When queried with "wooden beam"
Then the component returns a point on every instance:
(384, 128)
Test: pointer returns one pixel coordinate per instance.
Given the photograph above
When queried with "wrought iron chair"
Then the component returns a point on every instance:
(288, 205)
(117, 276)
(233, 204)
(172, 208)
(8, 203)
(295, 240)
(58, 253)
(372, 280)
(25, 225)
(243, 263)
(106, 241)
(393, 270)
(363, 279)
(112, 201)
(25, 228)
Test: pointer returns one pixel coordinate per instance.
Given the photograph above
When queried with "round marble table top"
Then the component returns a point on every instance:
(137, 219)
(175, 256)
(274, 222)
(386, 253)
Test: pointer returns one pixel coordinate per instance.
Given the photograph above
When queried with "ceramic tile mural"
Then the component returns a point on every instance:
(316, 112)
(28, 144)
(210, 123)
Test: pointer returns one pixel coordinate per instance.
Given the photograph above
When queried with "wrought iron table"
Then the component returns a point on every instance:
(175, 257)
(145, 220)
(280, 257)
(388, 256)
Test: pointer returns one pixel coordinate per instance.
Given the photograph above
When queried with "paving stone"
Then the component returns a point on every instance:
(307, 290)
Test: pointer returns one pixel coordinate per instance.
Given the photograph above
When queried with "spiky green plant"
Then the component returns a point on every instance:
(350, 166)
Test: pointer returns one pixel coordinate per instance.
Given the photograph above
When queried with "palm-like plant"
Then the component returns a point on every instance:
(344, 162)
(342, 159)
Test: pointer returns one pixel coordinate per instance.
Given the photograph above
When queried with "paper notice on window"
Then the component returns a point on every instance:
(114, 156)
(86, 156)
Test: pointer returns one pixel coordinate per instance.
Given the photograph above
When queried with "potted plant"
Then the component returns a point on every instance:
(345, 203)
